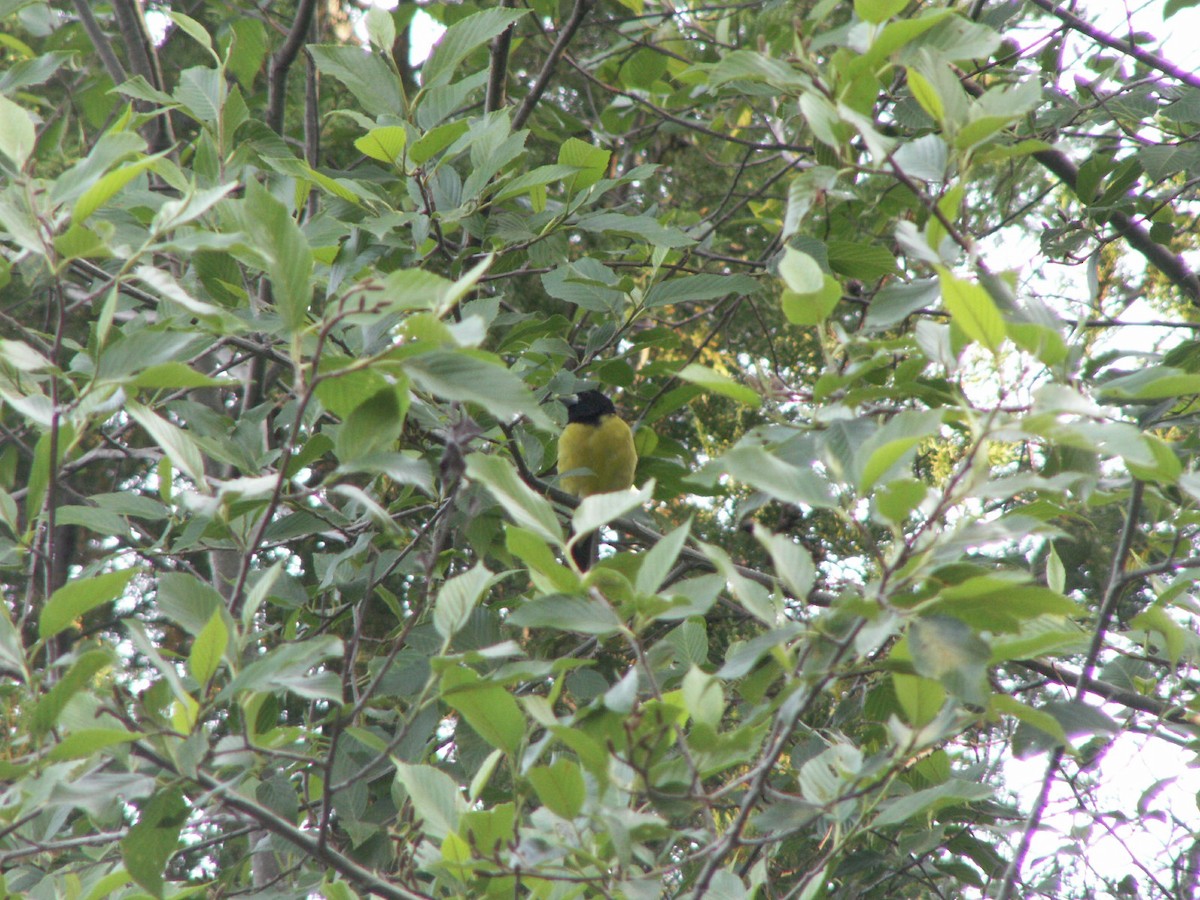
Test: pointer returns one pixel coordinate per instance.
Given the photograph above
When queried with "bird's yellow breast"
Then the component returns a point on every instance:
(605, 448)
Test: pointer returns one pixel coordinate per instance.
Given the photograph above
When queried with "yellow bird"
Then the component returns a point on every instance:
(597, 446)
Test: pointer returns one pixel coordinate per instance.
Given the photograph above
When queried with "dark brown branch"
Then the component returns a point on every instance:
(498, 70)
(565, 34)
(100, 42)
(1112, 693)
(1153, 60)
(1159, 256)
(281, 62)
(140, 51)
(302, 840)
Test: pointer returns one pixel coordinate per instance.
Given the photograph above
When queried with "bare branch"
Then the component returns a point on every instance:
(282, 61)
(565, 34)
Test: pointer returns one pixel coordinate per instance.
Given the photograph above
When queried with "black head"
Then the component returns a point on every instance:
(588, 407)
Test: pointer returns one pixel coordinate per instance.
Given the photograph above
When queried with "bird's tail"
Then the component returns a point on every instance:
(585, 550)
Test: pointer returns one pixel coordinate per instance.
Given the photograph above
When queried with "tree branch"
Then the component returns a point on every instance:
(140, 51)
(565, 34)
(100, 42)
(1114, 589)
(281, 62)
(1152, 60)
(1111, 692)
(1159, 256)
(498, 69)
(303, 840)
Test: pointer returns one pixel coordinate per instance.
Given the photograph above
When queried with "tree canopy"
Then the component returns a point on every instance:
(899, 297)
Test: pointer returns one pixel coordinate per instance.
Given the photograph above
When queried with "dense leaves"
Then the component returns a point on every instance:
(898, 298)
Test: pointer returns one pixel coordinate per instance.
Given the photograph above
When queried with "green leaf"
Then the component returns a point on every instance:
(1030, 716)
(865, 262)
(487, 707)
(152, 841)
(1079, 719)
(752, 66)
(720, 384)
(812, 308)
(107, 187)
(639, 226)
(800, 272)
(926, 95)
(949, 651)
(369, 79)
(599, 509)
(287, 667)
(37, 70)
(656, 563)
(490, 831)
(560, 787)
(476, 377)
(566, 613)
(165, 285)
(208, 649)
(973, 310)
(177, 375)
(78, 596)
(436, 140)
(372, 427)
(1152, 383)
(526, 507)
(82, 744)
(83, 670)
(248, 50)
(384, 144)
(526, 183)
(1175, 637)
(179, 446)
(689, 288)
(920, 698)
(187, 601)
(890, 446)
(458, 597)
(460, 39)
(201, 93)
(999, 603)
(877, 11)
(586, 283)
(703, 697)
(381, 28)
(1047, 636)
(22, 357)
(923, 804)
(773, 476)
(590, 162)
(435, 797)
(17, 134)
(12, 650)
(280, 241)
(192, 28)
(195, 203)
(793, 564)
(896, 500)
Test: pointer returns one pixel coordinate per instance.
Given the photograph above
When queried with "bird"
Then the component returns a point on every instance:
(597, 446)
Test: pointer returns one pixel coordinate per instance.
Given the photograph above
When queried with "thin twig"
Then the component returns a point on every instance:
(1113, 592)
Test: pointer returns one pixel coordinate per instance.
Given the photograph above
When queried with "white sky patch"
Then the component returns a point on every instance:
(426, 31)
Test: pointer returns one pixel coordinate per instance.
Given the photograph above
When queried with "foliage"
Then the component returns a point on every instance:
(286, 604)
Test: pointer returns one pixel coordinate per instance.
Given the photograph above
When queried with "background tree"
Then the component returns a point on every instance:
(899, 297)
